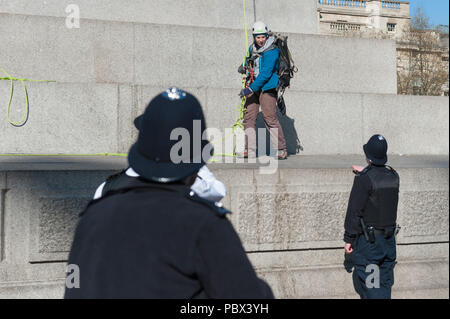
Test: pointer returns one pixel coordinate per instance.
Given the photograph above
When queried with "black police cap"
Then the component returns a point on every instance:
(150, 156)
(376, 150)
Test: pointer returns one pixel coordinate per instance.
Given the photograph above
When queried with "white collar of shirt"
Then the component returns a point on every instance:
(131, 172)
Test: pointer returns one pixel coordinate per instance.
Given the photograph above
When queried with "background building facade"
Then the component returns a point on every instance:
(422, 52)
(363, 17)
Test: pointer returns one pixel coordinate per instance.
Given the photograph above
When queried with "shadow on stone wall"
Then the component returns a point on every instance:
(293, 144)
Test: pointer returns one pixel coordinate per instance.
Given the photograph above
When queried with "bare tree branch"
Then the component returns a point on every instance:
(423, 63)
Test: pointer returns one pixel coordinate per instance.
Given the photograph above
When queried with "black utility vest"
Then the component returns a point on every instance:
(381, 208)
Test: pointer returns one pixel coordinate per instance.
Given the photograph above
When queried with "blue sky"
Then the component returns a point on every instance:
(437, 10)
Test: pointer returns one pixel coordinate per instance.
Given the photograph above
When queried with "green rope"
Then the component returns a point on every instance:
(240, 107)
(8, 109)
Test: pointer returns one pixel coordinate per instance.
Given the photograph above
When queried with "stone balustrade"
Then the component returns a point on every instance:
(390, 5)
(344, 3)
(345, 26)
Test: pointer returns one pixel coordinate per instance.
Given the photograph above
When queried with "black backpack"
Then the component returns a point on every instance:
(286, 69)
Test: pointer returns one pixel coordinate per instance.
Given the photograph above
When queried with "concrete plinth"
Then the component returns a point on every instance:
(298, 17)
(290, 222)
(41, 47)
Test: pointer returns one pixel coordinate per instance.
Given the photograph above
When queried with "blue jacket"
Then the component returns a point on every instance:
(267, 78)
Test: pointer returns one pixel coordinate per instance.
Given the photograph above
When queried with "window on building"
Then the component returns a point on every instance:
(391, 27)
(445, 58)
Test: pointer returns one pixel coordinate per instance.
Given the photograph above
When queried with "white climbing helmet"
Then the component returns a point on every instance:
(260, 27)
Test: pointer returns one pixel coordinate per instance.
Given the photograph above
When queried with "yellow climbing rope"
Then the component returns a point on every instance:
(240, 107)
(27, 104)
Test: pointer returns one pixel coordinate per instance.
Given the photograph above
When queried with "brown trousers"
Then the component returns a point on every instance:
(268, 105)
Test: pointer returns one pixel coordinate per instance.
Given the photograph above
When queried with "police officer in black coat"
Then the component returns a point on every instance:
(153, 237)
(370, 224)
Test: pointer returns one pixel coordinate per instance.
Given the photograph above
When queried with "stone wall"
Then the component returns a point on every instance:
(187, 56)
(76, 118)
(290, 15)
(108, 70)
(291, 224)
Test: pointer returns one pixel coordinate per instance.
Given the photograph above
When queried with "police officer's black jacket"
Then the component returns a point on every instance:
(160, 241)
(374, 197)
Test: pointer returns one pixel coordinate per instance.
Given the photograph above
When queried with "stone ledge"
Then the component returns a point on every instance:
(32, 290)
(421, 279)
(335, 281)
(14, 162)
(439, 293)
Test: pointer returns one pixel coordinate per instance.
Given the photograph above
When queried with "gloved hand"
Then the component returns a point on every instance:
(245, 92)
(348, 262)
(242, 69)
